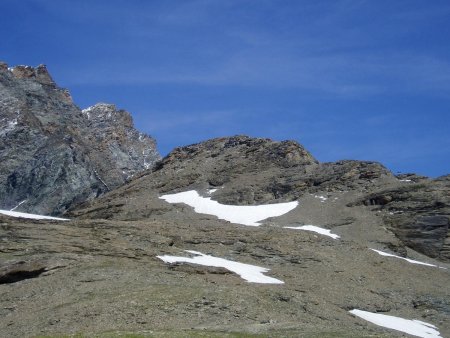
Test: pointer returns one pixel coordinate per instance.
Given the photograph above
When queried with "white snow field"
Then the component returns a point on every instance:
(382, 253)
(30, 216)
(316, 229)
(413, 327)
(241, 214)
(251, 273)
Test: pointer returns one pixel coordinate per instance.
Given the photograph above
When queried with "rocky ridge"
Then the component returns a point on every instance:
(53, 154)
(249, 171)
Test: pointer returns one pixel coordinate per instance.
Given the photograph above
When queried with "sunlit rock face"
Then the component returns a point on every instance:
(55, 155)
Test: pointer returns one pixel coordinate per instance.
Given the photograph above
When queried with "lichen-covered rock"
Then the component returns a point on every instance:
(53, 154)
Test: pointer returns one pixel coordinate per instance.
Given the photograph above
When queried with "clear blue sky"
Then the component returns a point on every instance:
(366, 80)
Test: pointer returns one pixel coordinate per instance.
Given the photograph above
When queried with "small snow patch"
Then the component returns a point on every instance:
(316, 229)
(321, 198)
(413, 327)
(30, 216)
(241, 214)
(87, 112)
(382, 253)
(251, 273)
(18, 205)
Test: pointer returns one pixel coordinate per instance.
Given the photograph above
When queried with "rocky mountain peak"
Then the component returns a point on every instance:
(104, 113)
(39, 73)
(262, 150)
(54, 155)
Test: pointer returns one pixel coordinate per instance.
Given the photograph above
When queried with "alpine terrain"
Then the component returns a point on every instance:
(231, 237)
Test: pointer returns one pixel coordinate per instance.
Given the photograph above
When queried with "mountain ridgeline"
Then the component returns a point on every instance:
(250, 171)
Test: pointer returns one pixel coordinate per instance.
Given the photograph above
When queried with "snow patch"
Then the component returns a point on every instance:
(11, 125)
(405, 180)
(247, 215)
(413, 327)
(87, 112)
(18, 205)
(251, 273)
(322, 198)
(29, 216)
(146, 164)
(100, 179)
(316, 229)
(382, 253)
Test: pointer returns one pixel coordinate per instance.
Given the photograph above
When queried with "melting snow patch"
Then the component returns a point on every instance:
(413, 327)
(314, 228)
(322, 198)
(30, 216)
(242, 214)
(251, 273)
(382, 253)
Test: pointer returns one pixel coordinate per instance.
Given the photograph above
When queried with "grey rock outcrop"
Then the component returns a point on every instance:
(418, 212)
(53, 155)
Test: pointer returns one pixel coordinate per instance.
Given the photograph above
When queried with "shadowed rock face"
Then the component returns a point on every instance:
(418, 213)
(54, 155)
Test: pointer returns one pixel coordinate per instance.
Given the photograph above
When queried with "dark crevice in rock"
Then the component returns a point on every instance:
(21, 271)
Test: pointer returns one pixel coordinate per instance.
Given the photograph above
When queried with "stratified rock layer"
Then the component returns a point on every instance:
(418, 212)
(52, 154)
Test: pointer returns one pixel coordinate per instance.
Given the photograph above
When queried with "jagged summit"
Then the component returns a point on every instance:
(53, 155)
(107, 111)
(39, 73)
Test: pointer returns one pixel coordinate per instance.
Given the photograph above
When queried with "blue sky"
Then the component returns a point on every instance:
(367, 80)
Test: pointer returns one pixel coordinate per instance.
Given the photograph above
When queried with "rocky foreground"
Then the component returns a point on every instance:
(103, 277)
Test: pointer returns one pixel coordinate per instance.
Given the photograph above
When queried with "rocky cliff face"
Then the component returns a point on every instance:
(418, 212)
(53, 154)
